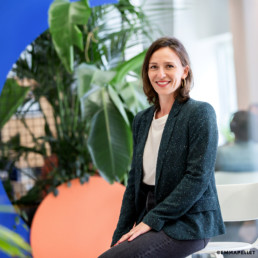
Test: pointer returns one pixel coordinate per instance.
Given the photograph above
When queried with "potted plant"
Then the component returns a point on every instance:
(92, 101)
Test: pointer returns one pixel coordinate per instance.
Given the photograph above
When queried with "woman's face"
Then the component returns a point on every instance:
(166, 71)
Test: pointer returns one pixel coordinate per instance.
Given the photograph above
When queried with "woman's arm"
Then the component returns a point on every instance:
(203, 140)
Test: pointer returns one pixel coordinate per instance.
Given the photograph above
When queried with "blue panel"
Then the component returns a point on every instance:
(20, 23)
(101, 2)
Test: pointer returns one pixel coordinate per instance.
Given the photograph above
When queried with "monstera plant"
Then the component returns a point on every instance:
(107, 100)
(105, 96)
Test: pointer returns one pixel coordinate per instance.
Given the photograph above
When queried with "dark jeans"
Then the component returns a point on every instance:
(154, 244)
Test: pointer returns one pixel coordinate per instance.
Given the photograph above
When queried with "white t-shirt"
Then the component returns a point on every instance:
(151, 149)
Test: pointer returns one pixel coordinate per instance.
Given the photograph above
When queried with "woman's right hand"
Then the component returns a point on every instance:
(136, 231)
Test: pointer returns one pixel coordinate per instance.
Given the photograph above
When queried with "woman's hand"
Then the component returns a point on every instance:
(134, 232)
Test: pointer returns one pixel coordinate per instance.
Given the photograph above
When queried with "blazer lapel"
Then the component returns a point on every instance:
(168, 129)
(142, 138)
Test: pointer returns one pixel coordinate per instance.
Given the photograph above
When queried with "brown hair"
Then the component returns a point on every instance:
(182, 93)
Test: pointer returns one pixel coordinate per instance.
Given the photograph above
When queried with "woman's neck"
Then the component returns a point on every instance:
(165, 103)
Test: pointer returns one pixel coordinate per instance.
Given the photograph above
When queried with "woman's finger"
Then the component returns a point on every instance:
(142, 228)
(135, 234)
(124, 238)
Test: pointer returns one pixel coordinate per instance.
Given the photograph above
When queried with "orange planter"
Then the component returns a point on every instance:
(79, 222)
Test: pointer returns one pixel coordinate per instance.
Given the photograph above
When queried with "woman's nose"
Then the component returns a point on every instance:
(161, 73)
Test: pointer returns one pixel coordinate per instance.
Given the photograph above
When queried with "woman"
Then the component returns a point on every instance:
(170, 207)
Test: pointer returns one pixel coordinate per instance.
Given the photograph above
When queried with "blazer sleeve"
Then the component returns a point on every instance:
(127, 216)
(203, 140)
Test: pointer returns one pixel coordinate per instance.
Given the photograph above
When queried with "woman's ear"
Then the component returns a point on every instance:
(186, 69)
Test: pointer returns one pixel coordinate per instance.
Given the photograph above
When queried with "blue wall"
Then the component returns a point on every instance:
(21, 21)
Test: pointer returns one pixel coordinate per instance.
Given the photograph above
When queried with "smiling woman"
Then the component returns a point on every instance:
(166, 73)
(170, 200)
(168, 64)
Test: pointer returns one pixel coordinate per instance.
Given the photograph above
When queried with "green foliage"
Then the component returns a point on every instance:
(118, 103)
(66, 139)
(64, 18)
(89, 76)
(110, 136)
(12, 243)
(101, 78)
(109, 143)
(94, 91)
(11, 98)
(134, 64)
(106, 40)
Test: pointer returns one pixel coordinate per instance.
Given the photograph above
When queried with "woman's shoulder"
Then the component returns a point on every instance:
(144, 113)
(195, 112)
(197, 106)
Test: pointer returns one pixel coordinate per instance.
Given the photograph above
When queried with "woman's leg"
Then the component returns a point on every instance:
(155, 244)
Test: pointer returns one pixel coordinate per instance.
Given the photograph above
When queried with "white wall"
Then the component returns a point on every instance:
(221, 37)
(243, 23)
(203, 26)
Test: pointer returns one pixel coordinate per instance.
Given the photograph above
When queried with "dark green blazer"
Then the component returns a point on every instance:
(185, 192)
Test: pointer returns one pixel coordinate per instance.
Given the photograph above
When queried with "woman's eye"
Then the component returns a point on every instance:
(153, 67)
(170, 66)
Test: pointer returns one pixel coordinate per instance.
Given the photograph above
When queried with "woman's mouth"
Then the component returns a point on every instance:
(162, 83)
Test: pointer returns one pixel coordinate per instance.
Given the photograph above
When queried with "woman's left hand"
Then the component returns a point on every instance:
(134, 232)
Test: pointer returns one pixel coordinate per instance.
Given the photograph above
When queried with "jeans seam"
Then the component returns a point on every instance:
(150, 250)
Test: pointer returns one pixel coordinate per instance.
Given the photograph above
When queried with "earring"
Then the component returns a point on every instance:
(183, 84)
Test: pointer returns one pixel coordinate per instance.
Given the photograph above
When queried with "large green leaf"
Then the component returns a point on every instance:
(91, 103)
(134, 64)
(11, 98)
(63, 20)
(109, 142)
(89, 76)
(133, 96)
(119, 104)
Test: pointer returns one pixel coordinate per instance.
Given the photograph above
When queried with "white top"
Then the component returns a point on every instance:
(151, 149)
